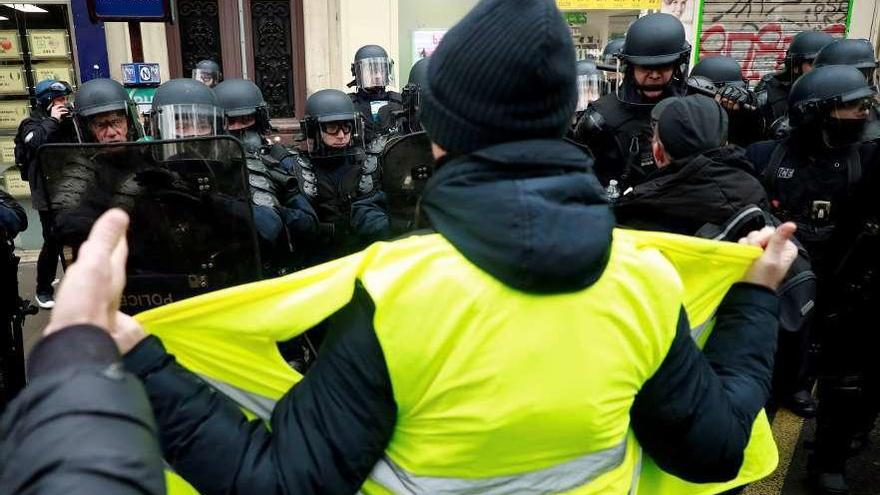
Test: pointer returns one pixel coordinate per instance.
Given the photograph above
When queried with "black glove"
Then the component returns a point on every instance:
(736, 94)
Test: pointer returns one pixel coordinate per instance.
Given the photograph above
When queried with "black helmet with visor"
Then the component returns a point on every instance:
(372, 68)
(331, 112)
(102, 103)
(184, 108)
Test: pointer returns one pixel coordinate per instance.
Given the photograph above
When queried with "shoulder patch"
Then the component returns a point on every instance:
(28, 137)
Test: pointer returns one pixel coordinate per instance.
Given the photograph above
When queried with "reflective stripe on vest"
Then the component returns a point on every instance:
(554, 479)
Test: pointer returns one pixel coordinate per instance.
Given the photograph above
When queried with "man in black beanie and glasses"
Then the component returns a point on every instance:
(511, 349)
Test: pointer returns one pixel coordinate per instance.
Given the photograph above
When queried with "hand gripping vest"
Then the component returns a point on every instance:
(473, 416)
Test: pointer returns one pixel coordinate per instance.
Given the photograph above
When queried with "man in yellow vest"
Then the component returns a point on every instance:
(510, 351)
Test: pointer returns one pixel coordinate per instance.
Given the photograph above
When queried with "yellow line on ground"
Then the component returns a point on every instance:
(786, 431)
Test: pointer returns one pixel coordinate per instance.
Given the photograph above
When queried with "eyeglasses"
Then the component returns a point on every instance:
(333, 128)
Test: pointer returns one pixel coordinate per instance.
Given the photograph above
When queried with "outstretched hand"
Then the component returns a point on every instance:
(779, 253)
(92, 287)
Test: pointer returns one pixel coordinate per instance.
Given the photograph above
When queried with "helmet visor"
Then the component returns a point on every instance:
(210, 78)
(374, 72)
(185, 121)
(588, 90)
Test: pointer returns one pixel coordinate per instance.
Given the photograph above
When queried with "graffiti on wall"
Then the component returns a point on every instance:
(757, 33)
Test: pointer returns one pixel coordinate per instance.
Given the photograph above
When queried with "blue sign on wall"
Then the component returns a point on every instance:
(140, 74)
(130, 10)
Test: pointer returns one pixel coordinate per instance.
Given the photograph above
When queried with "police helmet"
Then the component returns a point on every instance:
(815, 94)
(103, 96)
(418, 74)
(372, 67)
(241, 98)
(49, 89)
(186, 108)
(858, 53)
(720, 70)
(208, 72)
(612, 50)
(331, 111)
(589, 83)
(656, 40)
(804, 47)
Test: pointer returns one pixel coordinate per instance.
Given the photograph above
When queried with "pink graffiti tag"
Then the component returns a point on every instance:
(758, 51)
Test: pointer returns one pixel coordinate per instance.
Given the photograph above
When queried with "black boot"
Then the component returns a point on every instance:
(801, 403)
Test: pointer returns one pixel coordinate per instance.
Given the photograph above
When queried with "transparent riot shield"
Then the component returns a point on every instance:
(192, 227)
(407, 164)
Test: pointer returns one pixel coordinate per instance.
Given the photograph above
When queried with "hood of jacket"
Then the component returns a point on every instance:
(529, 213)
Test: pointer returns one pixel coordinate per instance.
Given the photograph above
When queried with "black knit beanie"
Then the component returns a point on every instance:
(506, 72)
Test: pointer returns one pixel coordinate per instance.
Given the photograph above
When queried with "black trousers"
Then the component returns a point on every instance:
(49, 255)
(849, 386)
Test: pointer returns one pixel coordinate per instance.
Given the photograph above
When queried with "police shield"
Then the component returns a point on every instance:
(407, 164)
(191, 226)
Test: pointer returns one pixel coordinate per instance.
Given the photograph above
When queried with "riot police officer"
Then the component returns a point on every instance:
(50, 122)
(106, 114)
(338, 181)
(732, 90)
(810, 178)
(278, 210)
(208, 72)
(411, 98)
(373, 72)
(13, 220)
(589, 81)
(617, 127)
(858, 53)
(609, 58)
(773, 89)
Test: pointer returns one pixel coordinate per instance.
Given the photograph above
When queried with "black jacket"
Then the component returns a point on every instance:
(542, 227)
(82, 426)
(809, 174)
(692, 192)
(619, 134)
(34, 132)
(13, 218)
(377, 123)
(772, 92)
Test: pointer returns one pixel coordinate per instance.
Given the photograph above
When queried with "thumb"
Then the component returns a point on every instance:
(780, 238)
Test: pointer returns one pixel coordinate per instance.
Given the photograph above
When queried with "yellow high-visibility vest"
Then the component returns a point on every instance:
(474, 415)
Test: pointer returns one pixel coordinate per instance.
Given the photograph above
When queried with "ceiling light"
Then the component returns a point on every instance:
(26, 7)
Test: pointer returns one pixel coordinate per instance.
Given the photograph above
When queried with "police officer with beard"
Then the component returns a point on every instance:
(617, 127)
(810, 178)
(773, 89)
(337, 179)
(279, 211)
(373, 71)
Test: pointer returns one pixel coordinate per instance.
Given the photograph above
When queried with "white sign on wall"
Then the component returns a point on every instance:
(425, 42)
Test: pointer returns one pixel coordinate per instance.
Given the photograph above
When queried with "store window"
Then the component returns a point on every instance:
(592, 29)
(35, 44)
